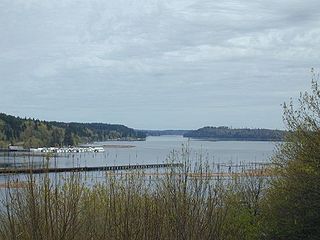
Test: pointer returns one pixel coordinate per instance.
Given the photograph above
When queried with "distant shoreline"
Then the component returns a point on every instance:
(233, 139)
(118, 146)
(224, 133)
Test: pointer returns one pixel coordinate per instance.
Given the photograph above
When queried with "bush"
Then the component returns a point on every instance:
(293, 201)
(134, 205)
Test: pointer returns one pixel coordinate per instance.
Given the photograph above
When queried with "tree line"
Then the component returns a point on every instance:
(36, 133)
(226, 133)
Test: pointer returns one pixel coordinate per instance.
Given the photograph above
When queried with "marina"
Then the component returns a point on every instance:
(67, 150)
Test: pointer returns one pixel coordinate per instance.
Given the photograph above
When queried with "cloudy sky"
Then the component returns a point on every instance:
(157, 64)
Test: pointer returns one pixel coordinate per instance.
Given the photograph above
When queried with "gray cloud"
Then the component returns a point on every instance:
(156, 64)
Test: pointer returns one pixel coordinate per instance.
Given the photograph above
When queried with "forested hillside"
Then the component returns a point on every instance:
(36, 133)
(225, 133)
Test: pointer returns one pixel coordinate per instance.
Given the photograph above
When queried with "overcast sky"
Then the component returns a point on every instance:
(157, 64)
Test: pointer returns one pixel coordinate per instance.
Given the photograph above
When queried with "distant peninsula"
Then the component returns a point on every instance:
(27, 132)
(236, 134)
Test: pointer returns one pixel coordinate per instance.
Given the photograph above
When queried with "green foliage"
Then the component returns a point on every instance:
(244, 201)
(225, 133)
(35, 133)
(69, 137)
(293, 201)
(58, 135)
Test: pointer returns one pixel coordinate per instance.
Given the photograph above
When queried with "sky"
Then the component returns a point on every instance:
(157, 64)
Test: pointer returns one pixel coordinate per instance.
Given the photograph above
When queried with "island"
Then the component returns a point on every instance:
(236, 134)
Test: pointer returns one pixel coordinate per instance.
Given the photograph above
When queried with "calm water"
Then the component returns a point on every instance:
(153, 150)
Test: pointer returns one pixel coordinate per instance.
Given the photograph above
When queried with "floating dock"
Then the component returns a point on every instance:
(86, 169)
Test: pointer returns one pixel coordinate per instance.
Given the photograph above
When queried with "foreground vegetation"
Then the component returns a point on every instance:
(36, 133)
(134, 206)
(284, 205)
(293, 199)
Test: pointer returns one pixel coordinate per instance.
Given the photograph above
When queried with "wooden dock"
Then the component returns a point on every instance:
(86, 169)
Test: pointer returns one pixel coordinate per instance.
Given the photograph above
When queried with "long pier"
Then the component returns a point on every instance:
(86, 169)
